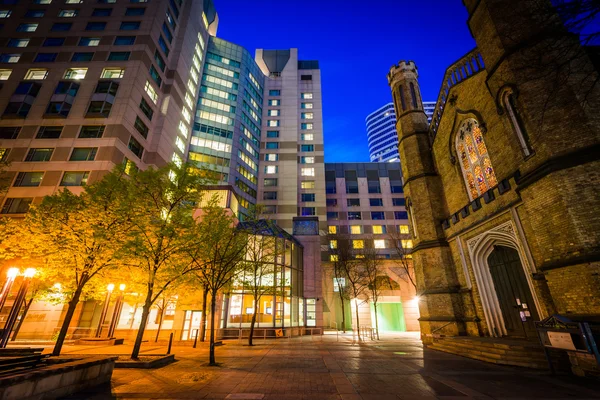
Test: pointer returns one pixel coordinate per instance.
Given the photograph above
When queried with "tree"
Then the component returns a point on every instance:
(162, 203)
(376, 280)
(350, 268)
(78, 237)
(5, 178)
(218, 256)
(258, 275)
(403, 258)
(338, 276)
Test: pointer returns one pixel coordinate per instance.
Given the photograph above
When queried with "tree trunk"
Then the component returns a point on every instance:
(140, 335)
(203, 315)
(160, 320)
(343, 312)
(67, 321)
(213, 307)
(357, 320)
(376, 319)
(16, 332)
(252, 324)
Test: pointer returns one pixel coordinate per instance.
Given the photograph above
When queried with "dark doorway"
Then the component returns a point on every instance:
(514, 296)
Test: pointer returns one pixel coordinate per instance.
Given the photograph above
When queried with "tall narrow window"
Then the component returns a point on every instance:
(413, 95)
(401, 94)
(508, 101)
(475, 162)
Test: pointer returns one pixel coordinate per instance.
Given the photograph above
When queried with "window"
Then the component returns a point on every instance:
(331, 202)
(146, 109)
(308, 211)
(155, 76)
(36, 74)
(159, 61)
(333, 257)
(167, 32)
(274, 92)
(151, 92)
(306, 105)
(306, 126)
(5, 74)
(376, 202)
(307, 171)
(172, 22)
(307, 115)
(307, 184)
(306, 95)
(130, 26)
(99, 108)
(396, 188)
(307, 147)
(356, 229)
(332, 229)
(332, 215)
(101, 12)
(270, 182)
(354, 215)
(75, 73)
(475, 163)
(141, 127)
(308, 197)
(306, 77)
(16, 205)
(61, 27)
(74, 178)
(69, 88)
(273, 123)
(379, 229)
(135, 147)
(42, 1)
(270, 169)
(270, 196)
(333, 244)
(88, 41)
(272, 134)
(49, 132)
(274, 102)
(118, 56)
(135, 12)
(4, 154)
(379, 244)
(9, 58)
(9, 132)
(358, 244)
(398, 201)
(51, 42)
(39, 155)
(112, 73)
(29, 27)
(163, 45)
(374, 187)
(272, 145)
(407, 244)
(307, 160)
(82, 57)
(353, 202)
(67, 13)
(18, 42)
(271, 157)
(83, 154)
(95, 26)
(28, 179)
(403, 229)
(377, 215)
(91, 132)
(45, 57)
(5, 13)
(124, 40)
(400, 215)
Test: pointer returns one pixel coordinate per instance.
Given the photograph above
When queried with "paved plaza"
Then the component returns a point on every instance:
(331, 368)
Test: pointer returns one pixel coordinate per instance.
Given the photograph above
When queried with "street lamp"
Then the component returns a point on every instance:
(11, 274)
(117, 311)
(109, 290)
(14, 311)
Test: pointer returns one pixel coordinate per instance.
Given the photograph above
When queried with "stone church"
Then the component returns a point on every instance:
(503, 186)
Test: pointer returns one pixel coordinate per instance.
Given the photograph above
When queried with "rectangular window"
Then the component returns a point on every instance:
(82, 57)
(95, 26)
(307, 184)
(5, 13)
(354, 215)
(61, 27)
(273, 122)
(397, 189)
(74, 178)
(18, 42)
(332, 229)
(356, 229)
(130, 26)
(331, 202)
(398, 201)
(112, 73)
(29, 27)
(308, 197)
(374, 187)
(146, 109)
(377, 215)
(67, 13)
(274, 92)
(4, 154)
(306, 95)
(16, 205)
(83, 154)
(272, 134)
(379, 243)
(353, 202)
(51, 42)
(141, 127)
(91, 132)
(36, 74)
(9, 58)
(135, 147)
(308, 211)
(99, 108)
(5, 74)
(118, 56)
(379, 229)
(407, 244)
(28, 179)
(172, 22)
(376, 202)
(124, 41)
(89, 41)
(333, 244)
(307, 160)
(358, 244)
(403, 229)
(272, 145)
(306, 77)
(271, 157)
(307, 172)
(167, 32)
(306, 126)
(307, 136)
(101, 12)
(307, 147)
(45, 57)
(270, 196)
(135, 12)
(49, 132)
(163, 45)
(274, 102)
(400, 215)
(159, 61)
(75, 73)
(39, 155)
(151, 92)
(270, 182)
(9, 132)
(306, 105)
(270, 169)
(332, 215)
(307, 115)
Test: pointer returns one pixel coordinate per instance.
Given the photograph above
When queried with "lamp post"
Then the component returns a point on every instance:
(14, 311)
(109, 290)
(117, 311)
(11, 274)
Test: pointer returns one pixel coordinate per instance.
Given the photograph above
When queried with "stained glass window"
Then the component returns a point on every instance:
(474, 160)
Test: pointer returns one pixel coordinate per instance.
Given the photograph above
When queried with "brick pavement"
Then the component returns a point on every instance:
(396, 368)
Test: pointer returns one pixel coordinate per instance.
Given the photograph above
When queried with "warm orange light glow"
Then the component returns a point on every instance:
(12, 272)
(29, 272)
(110, 287)
(122, 287)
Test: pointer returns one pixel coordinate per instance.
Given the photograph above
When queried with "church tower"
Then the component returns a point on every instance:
(440, 304)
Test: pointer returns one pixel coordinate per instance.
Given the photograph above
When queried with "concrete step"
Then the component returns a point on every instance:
(512, 355)
(506, 359)
(509, 345)
(532, 351)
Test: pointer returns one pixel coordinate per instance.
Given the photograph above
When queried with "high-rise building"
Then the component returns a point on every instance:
(88, 86)
(381, 132)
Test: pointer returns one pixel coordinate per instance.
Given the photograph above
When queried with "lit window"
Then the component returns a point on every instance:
(36, 73)
(332, 229)
(274, 102)
(273, 113)
(74, 1)
(378, 229)
(407, 244)
(307, 172)
(151, 92)
(27, 27)
(333, 257)
(205, 20)
(196, 62)
(307, 105)
(358, 244)
(88, 41)
(10, 58)
(67, 13)
(18, 42)
(307, 160)
(180, 145)
(5, 74)
(271, 157)
(307, 136)
(194, 75)
(272, 123)
(186, 114)
(75, 73)
(307, 95)
(185, 131)
(74, 179)
(271, 169)
(306, 126)
(189, 101)
(177, 160)
(355, 229)
(307, 184)
(201, 40)
(379, 244)
(112, 73)
(333, 244)
(5, 13)
(403, 229)
(307, 115)
(191, 86)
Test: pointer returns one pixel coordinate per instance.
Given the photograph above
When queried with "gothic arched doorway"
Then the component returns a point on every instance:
(514, 296)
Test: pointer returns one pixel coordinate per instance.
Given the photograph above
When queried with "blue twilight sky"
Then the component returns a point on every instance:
(356, 43)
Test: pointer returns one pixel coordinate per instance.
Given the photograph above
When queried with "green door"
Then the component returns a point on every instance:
(390, 317)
